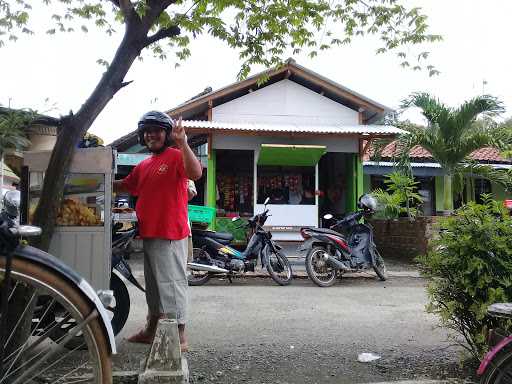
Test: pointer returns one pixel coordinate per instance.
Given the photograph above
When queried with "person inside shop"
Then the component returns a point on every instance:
(309, 197)
(160, 183)
(278, 196)
(295, 191)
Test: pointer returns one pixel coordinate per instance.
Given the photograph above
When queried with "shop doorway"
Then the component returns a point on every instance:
(332, 183)
(235, 180)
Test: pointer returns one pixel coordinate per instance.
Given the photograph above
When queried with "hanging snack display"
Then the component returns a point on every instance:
(236, 193)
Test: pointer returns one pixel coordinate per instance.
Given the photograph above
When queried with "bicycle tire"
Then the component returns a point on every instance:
(499, 370)
(67, 363)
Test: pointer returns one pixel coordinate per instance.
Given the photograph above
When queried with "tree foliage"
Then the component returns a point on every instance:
(469, 267)
(261, 30)
(451, 136)
(12, 134)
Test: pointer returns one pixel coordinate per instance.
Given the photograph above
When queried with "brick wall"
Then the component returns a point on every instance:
(403, 239)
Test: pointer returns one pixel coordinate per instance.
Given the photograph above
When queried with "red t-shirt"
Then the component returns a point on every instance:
(161, 186)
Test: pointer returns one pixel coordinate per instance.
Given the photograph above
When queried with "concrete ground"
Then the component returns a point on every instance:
(253, 331)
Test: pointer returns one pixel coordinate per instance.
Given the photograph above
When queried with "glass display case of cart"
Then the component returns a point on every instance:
(83, 204)
(82, 236)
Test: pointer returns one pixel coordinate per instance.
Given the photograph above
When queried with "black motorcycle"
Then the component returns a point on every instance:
(212, 254)
(349, 248)
(121, 248)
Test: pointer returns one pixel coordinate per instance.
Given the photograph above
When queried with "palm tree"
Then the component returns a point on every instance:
(12, 135)
(451, 134)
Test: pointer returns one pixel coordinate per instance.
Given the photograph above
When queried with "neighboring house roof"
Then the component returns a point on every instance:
(420, 154)
(197, 107)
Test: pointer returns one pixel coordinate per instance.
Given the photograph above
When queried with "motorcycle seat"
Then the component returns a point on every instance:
(324, 230)
(222, 236)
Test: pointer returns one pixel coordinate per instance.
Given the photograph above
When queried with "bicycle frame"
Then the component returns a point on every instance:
(37, 256)
(492, 353)
(5, 308)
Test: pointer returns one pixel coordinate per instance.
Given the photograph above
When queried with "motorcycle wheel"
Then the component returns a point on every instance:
(118, 311)
(120, 308)
(379, 267)
(322, 274)
(197, 278)
(279, 268)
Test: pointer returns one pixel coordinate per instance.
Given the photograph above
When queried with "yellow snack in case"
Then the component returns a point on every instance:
(73, 212)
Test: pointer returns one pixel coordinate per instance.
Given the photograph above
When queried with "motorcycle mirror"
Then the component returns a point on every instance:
(266, 201)
(328, 216)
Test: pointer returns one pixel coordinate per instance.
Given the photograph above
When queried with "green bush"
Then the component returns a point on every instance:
(400, 197)
(469, 267)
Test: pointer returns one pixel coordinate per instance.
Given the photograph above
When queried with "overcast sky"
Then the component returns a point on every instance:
(63, 69)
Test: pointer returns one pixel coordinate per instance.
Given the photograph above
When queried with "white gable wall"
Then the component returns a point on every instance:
(285, 102)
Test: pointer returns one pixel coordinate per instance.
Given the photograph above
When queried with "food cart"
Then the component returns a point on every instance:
(82, 236)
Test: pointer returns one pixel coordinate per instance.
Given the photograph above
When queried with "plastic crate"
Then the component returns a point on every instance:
(201, 214)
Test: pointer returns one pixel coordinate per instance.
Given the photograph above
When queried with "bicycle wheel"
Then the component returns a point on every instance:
(278, 267)
(499, 370)
(38, 356)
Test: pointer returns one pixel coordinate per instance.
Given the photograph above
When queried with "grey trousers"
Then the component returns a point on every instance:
(165, 273)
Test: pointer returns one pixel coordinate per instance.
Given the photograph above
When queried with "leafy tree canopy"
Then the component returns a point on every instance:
(261, 30)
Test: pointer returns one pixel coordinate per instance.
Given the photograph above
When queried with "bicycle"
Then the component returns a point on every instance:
(71, 308)
(496, 366)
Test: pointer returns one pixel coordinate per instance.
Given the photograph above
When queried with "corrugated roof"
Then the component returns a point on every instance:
(487, 154)
(377, 110)
(294, 128)
(426, 165)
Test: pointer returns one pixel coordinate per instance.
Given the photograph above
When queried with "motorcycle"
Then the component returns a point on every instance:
(121, 248)
(212, 254)
(350, 248)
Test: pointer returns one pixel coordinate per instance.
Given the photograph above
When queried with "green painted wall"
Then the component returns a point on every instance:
(355, 182)
(211, 182)
(439, 183)
(359, 176)
(499, 192)
(367, 183)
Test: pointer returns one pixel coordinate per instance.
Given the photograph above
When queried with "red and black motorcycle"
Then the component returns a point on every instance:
(349, 248)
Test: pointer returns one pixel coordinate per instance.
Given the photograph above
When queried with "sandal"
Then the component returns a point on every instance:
(142, 337)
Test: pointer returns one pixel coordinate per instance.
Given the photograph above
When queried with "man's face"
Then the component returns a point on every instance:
(154, 137)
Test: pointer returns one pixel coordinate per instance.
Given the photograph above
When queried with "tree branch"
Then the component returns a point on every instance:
(125, 83)
(161, 34)
(115, 2)
(126, 6)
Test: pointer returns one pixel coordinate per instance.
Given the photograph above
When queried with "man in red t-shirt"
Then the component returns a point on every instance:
(160, 183)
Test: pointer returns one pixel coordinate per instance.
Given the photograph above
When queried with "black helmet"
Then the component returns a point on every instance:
(155, 118)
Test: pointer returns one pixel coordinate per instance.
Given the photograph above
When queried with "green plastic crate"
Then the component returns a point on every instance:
(201, 214)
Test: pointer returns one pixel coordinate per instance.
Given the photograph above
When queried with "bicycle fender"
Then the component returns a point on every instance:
(492, 353)
(37, 256)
